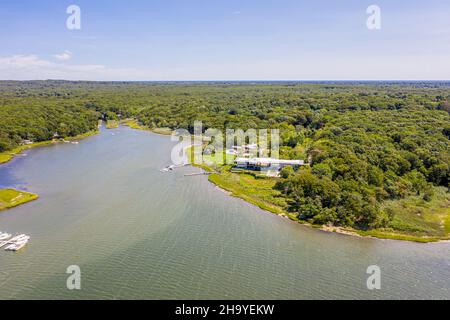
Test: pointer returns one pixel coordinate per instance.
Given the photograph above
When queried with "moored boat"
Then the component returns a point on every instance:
(17, 245)
(4, 236)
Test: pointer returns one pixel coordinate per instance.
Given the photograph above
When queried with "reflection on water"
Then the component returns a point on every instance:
(136, 232)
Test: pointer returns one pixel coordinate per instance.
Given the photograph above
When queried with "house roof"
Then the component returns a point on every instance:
(259, 161)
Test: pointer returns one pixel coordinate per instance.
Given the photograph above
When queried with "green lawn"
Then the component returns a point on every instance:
(5, 157)
(417, 215)
(212, 160)
(418, 220)
(11, 198)
(132, 123)
(164, 131)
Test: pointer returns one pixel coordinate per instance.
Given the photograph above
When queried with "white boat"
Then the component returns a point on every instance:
(17, 245)
(10, 247)
(24, 238)
(4, 236)
(17, 238)
(14, 244)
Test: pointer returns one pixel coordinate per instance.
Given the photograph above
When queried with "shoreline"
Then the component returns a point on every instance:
(380, 234)
(134, 124)
(374, 234)
(10, 197)
(9, 155)
(267, 206)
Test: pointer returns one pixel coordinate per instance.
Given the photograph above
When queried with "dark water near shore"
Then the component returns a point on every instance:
(138, 233)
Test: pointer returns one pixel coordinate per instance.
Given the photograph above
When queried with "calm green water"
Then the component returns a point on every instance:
(138, 233)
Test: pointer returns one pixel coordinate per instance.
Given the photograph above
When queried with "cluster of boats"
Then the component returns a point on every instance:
(15, 243)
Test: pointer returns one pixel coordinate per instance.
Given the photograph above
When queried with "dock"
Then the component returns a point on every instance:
(198, 174)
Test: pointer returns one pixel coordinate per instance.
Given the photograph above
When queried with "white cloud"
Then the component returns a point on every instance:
(66, 55)
(22, 61)
(306, 67)
(31, 67)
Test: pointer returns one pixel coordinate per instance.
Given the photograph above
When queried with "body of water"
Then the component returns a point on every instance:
(136, 232)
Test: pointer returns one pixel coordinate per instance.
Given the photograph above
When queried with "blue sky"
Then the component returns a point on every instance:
(225, 40)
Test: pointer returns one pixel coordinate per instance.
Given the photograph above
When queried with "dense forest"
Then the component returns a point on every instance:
(368, 142)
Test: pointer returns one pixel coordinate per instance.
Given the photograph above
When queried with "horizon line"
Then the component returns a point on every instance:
(234, 80)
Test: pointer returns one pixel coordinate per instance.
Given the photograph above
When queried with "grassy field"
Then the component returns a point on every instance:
(417, 219)
(211, 160)
(134, 124)
(163, 131)
(11, 198)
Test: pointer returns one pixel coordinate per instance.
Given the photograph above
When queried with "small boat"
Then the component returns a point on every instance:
(18, 238)
(10, 247)
(16, 246)
(15, 243)
(26, 238)
(4, 236)
(20, 245)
